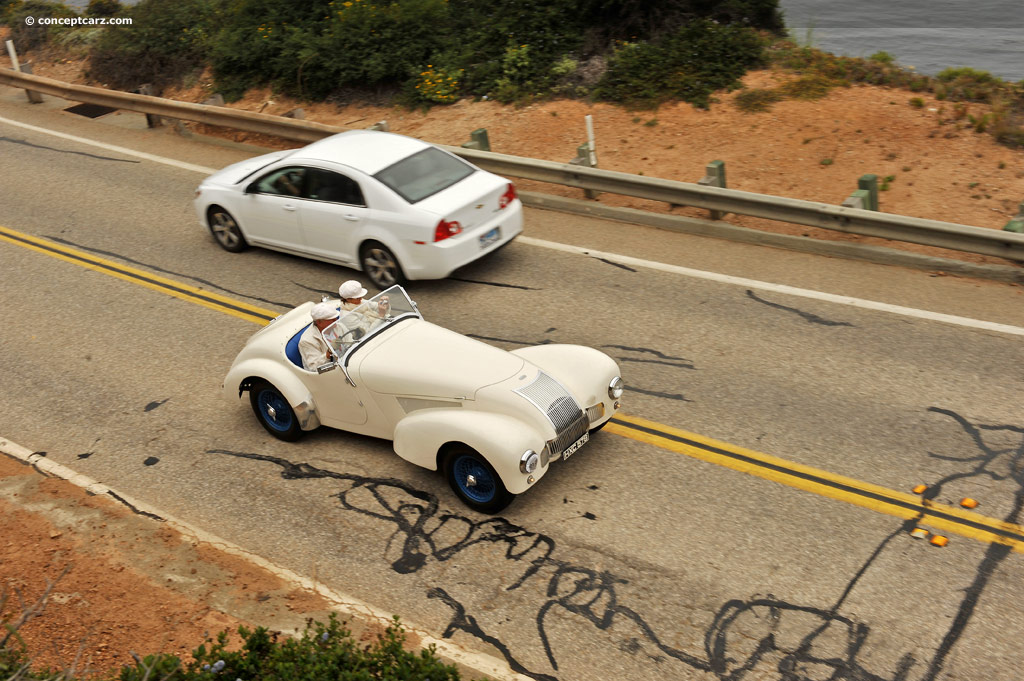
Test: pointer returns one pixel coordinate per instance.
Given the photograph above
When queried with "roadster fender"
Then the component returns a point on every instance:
(500, 439)
(241, 376)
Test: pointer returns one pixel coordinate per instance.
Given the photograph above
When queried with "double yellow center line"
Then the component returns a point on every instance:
(157, 283)
(880, 499)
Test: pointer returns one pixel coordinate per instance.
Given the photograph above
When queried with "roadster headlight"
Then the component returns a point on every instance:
(615, 388)
(528, 461)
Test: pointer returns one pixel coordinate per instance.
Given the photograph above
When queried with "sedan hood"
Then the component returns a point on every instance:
(426, 360)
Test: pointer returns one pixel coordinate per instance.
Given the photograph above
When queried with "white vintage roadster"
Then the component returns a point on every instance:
(492, 421)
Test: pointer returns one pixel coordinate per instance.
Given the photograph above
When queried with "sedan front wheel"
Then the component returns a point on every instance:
(380, 265)
(225, 230)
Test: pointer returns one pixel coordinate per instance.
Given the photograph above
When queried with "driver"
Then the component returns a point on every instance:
(313, 348)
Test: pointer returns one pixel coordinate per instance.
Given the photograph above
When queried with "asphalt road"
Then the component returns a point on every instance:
(629, 559)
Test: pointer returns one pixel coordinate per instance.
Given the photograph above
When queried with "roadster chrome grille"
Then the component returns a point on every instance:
(569, 435)
(557, 404)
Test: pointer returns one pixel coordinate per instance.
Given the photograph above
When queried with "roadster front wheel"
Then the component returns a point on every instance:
(475, 481)
(273, 412)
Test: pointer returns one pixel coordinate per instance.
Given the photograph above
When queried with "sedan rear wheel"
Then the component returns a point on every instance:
(225, 231)
(476, 482)
(380, 265)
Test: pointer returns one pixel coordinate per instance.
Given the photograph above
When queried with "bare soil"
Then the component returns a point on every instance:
(132, 584)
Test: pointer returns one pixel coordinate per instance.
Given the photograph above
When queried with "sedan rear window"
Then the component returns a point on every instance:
(424, 173)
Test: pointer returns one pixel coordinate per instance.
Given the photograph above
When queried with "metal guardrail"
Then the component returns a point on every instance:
(936, 233)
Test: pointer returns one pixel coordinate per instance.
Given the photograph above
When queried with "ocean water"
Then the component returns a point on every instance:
(929, 35)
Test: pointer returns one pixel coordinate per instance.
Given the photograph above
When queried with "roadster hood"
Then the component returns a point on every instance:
(427, 360)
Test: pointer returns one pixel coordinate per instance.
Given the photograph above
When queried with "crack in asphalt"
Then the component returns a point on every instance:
(157, 268)
(813, 318)
(67, 151)
(495, 283)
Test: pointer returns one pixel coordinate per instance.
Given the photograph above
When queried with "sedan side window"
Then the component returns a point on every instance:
(285, 182)
(324, 185)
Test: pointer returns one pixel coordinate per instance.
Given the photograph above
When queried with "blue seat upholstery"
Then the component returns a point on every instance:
(292, 348)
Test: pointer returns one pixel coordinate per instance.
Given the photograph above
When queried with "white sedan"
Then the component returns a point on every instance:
(392, 206)
(492, 421)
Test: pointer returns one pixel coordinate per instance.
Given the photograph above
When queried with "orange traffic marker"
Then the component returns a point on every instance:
(920, 489)
(919, 533)
(939, 540)
(968, 502)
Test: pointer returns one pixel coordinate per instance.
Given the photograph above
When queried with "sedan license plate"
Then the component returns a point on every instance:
(571, 449)
(489, 238)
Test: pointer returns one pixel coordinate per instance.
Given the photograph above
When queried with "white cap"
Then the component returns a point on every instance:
(351, 289)
(324, 311)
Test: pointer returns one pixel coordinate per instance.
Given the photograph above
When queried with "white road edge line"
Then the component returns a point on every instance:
(113, 147)
(777, 288)
(344, 604)
(622, 259)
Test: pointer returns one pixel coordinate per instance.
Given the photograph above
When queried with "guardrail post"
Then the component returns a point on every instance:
(869, 183)
(859, 199)
(1016, 224)
(583, 158)
(478, 140)
(152, 120)
(715, 177)
(33, 96)
(381, 126)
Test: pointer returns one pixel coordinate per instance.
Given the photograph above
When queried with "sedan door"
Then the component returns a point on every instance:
(332, 215)
(270, 209)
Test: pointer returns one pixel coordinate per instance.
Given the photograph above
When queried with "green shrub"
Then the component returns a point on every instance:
(882, 58)
(917, 102)
(755, 100)
(323, 652)
(314, 49)
(165, 40)
(688, 64)
(27, 37)
(812, 86)
(103, 8)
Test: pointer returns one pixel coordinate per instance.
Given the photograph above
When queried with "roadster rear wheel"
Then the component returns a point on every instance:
(475, 481)
(273, 412)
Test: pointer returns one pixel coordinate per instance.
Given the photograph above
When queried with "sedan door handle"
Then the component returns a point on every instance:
(289, 207)
(351, 218)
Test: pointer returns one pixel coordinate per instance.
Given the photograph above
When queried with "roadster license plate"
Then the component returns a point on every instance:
(571, 449)
(489, 238)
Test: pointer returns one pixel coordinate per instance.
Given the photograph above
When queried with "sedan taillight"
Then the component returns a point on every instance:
(508, 197)
(446, 229)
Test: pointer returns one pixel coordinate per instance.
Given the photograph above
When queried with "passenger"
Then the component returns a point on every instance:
(313, 348)
(360, 315)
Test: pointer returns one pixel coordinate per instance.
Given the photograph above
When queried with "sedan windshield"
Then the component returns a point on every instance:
(424, 173)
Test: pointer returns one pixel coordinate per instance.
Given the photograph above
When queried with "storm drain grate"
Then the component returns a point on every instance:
(90, 110)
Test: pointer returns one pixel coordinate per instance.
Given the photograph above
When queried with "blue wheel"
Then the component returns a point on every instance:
(476, 482)
(273, 411)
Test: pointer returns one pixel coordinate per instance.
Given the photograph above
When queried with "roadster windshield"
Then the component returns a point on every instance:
(370, 317)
